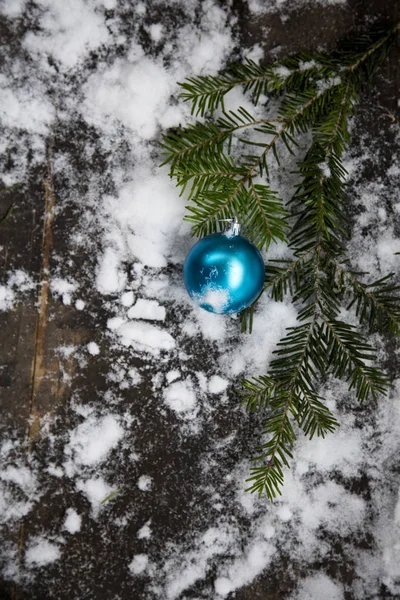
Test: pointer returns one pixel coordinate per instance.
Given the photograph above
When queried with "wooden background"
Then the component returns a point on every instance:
(32, 375)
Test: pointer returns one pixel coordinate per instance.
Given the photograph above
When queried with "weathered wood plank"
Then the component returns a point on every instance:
(32, 380)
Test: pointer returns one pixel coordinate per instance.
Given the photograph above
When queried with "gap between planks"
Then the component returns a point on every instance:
(38, 370)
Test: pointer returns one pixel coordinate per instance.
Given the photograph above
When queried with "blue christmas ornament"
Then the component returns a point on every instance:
(224, 272)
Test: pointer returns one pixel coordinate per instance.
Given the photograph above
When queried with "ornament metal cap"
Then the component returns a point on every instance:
(233, 228)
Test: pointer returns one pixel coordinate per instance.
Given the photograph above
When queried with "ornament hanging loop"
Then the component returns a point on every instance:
(233, 226)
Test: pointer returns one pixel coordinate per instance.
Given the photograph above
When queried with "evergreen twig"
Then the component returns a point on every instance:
(229, 175)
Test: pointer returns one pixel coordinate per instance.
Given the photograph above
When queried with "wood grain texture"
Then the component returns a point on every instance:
(36, 383)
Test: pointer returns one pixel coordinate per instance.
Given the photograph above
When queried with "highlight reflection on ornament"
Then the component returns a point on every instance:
(224, 272)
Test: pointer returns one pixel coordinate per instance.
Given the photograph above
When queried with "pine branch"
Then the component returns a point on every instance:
(192, 150)
(257, 205)
(314, 416)
(219, 162)
(284, 276)
(362, 55)
(206, 93)
(318, 204)
(303, 109)
(331, 133)
(376, 304)
(347, 352)
(190, 143)
(209, 171)
(245, 202)
(289, 376)
(269, 478)
(265, 215)
(256, 393)
(319, 196)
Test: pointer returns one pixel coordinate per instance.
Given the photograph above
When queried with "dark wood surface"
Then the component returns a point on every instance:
(32, 374)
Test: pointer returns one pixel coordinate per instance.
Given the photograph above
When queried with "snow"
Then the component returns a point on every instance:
(73, 521)
(144, 483)
(114, 93)
(309, 64)
(144, 532)
(93, 348)
(12, 509)
(41, 552)
(255, 351)
(397, 511)
(55, 471)
(181, 398)
(115, 323)
(147, 309)
(184, 573)
(21, 281)
(139, 564)
(156, 32)
(96, 490)
(76, 28)
(217, 384)
(6, 298)
(63, 288)
(245, 570)
(91, 442)
(145, 336)
(170, 364)
(172, 375)
(284, 513)
(127, 299)
(134, 376)
(12, 9)
(325, 169)
(282, 71)
(216, 299)
(145, 213)
(260, 7)
(22, 476)
(110, 279)
(79, 304)
(18, 285)
(319, 586)
(26, 111)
